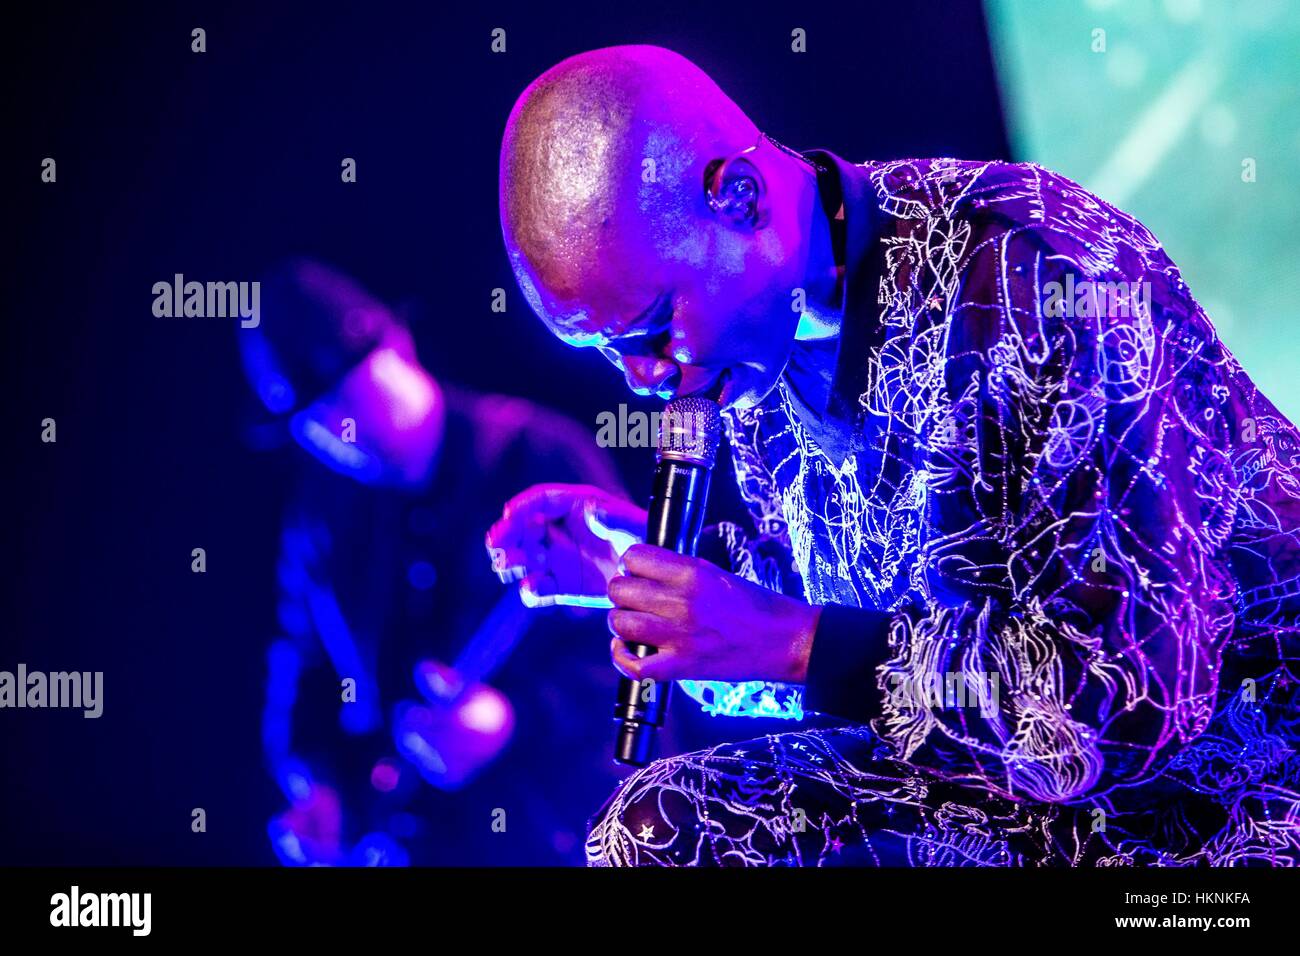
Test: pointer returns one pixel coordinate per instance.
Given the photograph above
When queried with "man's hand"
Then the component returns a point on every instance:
(706, 623)
(563, 542)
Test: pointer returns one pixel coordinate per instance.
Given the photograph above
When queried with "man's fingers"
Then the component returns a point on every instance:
(538, 590)
(661, 666)
(641, 594)
(620, 538)
(517, 528)
(525, 516)
(616, 515)
(659, 564)
(550, 501)
(537, 538)
(508, 563)
(641, 627)
(513, 562)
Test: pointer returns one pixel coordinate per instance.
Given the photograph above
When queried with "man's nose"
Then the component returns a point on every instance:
(651, 376)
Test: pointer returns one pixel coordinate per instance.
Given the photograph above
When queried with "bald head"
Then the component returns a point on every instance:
(645, 215)
(611, 141)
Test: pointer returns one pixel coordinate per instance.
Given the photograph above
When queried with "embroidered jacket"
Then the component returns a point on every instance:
(1039, 481)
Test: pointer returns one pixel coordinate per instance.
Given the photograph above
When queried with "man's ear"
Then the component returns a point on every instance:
(735, 190)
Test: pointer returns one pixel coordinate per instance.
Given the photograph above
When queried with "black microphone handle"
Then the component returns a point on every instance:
(675, 519)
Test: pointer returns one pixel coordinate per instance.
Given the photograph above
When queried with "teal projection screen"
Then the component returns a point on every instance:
(1186, 114)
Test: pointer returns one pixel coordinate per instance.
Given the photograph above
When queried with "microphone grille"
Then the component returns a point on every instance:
(690, 429)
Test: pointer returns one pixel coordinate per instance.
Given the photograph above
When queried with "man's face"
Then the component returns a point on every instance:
(700, 306)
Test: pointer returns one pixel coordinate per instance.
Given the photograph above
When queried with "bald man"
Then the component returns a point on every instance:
(1045, 527)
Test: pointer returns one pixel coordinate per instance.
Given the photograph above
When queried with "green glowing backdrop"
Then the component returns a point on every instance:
(1186, 114)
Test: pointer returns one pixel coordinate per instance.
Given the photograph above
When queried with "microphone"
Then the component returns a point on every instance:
(689, 432)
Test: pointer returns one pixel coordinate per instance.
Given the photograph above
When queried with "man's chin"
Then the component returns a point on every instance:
(745, 387)
(740, 386)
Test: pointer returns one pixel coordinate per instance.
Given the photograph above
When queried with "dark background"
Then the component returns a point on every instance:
(216, 165)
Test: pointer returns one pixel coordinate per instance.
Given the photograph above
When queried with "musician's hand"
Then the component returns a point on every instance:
(309, 832)
(563, 542)
(706, 623)
(461, 731)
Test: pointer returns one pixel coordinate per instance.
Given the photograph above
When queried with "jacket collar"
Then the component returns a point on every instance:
(838, 428)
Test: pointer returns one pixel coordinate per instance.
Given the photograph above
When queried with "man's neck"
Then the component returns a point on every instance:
(823, 280)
